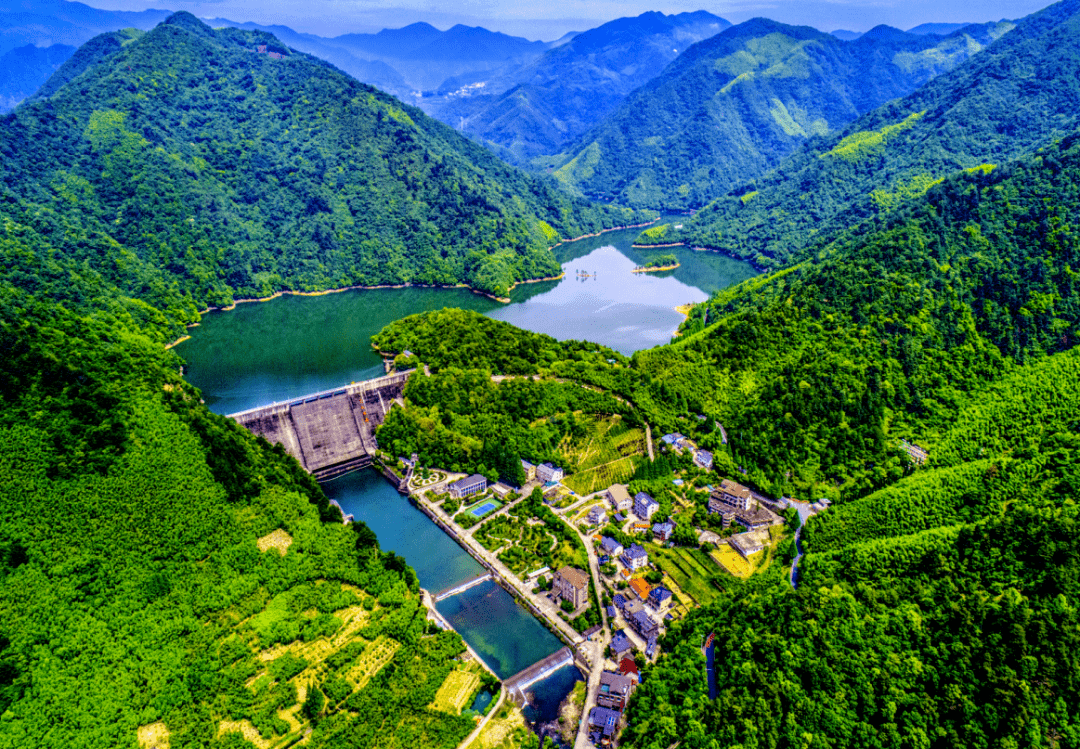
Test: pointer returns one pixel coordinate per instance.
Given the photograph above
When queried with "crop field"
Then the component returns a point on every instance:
(375, 656)
(456, 691)
(732, 561)
(691, 569)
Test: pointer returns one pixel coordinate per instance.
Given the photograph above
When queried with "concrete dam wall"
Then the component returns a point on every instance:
(332, 432)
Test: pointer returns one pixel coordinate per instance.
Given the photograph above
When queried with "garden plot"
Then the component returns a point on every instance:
(604, 456)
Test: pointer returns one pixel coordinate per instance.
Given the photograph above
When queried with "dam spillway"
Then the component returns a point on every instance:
(331, 432)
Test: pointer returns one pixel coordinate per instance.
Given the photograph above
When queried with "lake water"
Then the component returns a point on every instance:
(291, 346)
(260, 353)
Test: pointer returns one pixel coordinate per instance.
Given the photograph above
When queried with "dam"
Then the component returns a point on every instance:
(333, 432)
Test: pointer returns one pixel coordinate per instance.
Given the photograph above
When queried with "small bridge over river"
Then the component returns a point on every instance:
(332, 432)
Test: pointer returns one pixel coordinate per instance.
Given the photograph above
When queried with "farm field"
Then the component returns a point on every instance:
(604, 456)
(691, 569)
(457, 691)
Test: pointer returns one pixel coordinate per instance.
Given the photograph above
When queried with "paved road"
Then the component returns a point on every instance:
(804, 514)
(593, 651)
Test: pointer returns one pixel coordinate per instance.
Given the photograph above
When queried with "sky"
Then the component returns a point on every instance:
(553, 18)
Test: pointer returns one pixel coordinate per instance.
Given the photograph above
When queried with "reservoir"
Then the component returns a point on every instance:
(259, 353)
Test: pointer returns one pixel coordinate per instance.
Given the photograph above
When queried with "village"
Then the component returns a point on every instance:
(610, 571)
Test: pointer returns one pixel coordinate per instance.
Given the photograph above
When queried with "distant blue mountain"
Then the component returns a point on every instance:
(24, 69)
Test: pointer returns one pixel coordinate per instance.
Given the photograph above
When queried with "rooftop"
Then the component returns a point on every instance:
(574, 576)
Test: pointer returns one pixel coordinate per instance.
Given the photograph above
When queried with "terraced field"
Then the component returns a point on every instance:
(605, 456)
(692, 569)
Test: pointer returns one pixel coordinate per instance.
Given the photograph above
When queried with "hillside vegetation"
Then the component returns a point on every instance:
(162, 573)
(218, 172)
(732, 106)
(1015, 96)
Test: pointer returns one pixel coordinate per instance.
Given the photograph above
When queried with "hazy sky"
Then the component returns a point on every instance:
(551, 19)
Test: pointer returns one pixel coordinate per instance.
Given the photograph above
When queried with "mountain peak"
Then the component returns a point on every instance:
(186, 20)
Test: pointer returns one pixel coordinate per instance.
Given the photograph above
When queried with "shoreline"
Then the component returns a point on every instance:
(657, 246)
(659, 269)
(362, 287)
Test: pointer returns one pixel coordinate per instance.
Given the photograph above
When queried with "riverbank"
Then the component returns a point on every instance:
(657, 246)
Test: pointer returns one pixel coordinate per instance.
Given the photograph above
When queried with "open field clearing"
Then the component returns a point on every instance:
(456, 691)
(691, 569)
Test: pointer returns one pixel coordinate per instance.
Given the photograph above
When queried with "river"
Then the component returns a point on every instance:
(259, 353)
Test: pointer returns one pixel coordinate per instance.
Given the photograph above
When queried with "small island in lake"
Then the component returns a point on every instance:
(664, 262)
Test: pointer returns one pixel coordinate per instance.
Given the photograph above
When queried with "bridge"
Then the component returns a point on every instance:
(524, 679)
(472, 583)
(332, 432)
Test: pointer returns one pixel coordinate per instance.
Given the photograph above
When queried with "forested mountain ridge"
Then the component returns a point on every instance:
(534, 111)
(220, 172)
(1014, 96)
(732, 106)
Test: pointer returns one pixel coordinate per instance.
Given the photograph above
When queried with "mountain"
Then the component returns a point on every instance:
(733, 106)
(534, 110)
(24, 69)
(219, 171)
(373, 72)
(941, 29)
(1013, 97)
(44, 23)
(426, 57)
(847, 36)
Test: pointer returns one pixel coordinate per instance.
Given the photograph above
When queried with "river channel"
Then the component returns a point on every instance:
(259, 353)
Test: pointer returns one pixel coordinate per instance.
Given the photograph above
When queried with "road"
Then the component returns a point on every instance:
(597, 647)
(804, 514)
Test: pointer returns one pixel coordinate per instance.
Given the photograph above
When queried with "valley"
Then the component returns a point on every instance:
(681, 381)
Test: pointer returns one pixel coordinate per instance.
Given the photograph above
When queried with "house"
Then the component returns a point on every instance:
(572, 585)
(621, 646)
(660, 598)
(641, 588)
(602, 723)
(632, 608)
(620, 518)
(530, 470)
(703, 458)
(468, 486)
(587, 634)
(597, 516)
(747, 544)
(645, 506)
(611, 612)
(619, 600)
(610, 546)
(664, 531)
(635, 557)
(644, 625)
(916, 454)
(650, 648)
(615, 690)
(619, 498)
(548, 473)
(627, 667)
(735, 503)
(672, 439)
(501, 490)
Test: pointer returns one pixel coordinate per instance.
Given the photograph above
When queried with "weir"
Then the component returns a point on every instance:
(332, 432)
(462, 587)
(524, 679)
